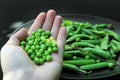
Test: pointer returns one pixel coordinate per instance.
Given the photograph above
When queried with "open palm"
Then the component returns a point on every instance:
(16, 64)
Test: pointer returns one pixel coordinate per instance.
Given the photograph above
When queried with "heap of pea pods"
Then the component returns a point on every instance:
(90, 47)
(39, 46)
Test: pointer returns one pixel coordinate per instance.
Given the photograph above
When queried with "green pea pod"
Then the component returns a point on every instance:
(74, 52)
(97, 65)
(103, 26)
(112, 33)
(66, 23)
(99, 52)
(67, 56)
(104, 42)
(98, 32)
(78, 30)
(114, 47)
(80, 62)
(82, 44)
(88, 32)
(117, 44)
(69, 29)
(112, 53)
(96, 41)
(74, 68)
(77, 36)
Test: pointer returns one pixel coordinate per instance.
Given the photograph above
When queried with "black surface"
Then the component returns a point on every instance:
(25, 10)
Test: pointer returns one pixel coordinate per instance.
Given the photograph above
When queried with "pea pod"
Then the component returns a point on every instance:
(104, 42)
(67, 56)
(82, 44)
(80, 62)
(117, 44)
(78, 30)
(74, 68)
(98, 32)
(78, 36)
(97, 65)
(112, 33)
(74, 52)
(96, 41)
(88, 32)
(114, 47)
(99, 52)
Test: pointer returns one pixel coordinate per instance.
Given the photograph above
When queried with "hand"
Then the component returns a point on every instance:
(16, 65)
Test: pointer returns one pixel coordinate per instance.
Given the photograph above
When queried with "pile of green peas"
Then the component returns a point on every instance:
(39, 46)
(90, 47)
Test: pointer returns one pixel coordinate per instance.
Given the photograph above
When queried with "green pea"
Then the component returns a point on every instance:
(48, 33)
(49, 50)
(30, 42)
(41, 50)
(37, 47)
(32, 56)
(77, 39)
(23, 43)
(41, 61)
(40, 30)
(28, 39)
(75, 57)
(47, 53)
(22, 46)
(37, 34)
(48, 58)
(110, 65)
(43, 46)
(33, 47)
(30, 52)
(44, 58)
(33, 33)
(36, 60)
(38, 54)
(27, 47)
(55, 49)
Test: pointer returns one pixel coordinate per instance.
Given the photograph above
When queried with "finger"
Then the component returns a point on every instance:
(61, 40)
(18, 36)
(56, 26)
(49, 20)
(37, 23)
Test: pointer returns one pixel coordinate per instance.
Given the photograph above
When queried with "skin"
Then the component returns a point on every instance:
(16, 65)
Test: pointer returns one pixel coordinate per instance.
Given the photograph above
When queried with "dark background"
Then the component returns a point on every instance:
(24, 10)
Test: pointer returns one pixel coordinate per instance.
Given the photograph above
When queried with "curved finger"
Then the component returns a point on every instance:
(56, 26)
(18, 36)
(37, 23)
(61, 40)
(49, 20)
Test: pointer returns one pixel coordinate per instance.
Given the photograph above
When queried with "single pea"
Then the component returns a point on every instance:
(55, 49)
(35, 42)
(110, 65)
(48, 33)
(41, 61)
(71, 34)
(37, 35)
(30, 52)
(54, 44)
(36, 51)
(43, 34)
(87, 57)
(37, 39)
(49, 50)
(33, 33)
(41, 50)
(23, 43)
(43, 40)
(30, 42)
(40, 30)
(36, 60)
(37, 47)
(33, 48)
(77, 39)
(43, 46)
(32, 56)
(28, 38)
(75, 57)
(22, 46)
(32, 37)
(48, 58)
(98, 61)
(38, 54)
(46, 53)
(27, 47)
(44, 58)
(48, 44)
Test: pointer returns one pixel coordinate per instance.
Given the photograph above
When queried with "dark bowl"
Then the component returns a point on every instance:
(93, 20)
